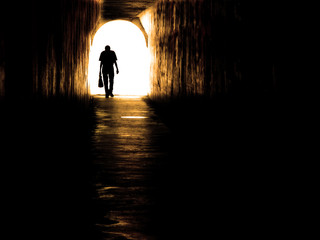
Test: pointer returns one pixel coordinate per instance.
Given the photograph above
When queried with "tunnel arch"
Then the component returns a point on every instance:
(128, 39)
(137, 22)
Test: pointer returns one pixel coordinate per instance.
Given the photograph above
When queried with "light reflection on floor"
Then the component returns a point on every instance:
(128, 141)
(134, 117)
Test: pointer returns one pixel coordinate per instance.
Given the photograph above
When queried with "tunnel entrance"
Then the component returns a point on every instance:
(129, 44)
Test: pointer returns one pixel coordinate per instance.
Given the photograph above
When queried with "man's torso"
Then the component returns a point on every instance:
(108, 59)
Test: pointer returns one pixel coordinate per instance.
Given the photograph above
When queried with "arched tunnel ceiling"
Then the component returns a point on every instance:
(124, 9)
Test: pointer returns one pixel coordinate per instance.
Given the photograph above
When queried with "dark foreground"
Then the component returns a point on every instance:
(127, 168)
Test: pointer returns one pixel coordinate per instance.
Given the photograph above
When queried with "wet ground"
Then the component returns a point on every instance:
(131, 146)
(159, 178)
(128, 168)
(185, 172)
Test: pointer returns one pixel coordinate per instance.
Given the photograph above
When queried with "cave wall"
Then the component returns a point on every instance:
(45, 116)
(214, 48)
(45, 48)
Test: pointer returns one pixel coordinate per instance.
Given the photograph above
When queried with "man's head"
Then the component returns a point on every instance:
(107, 48)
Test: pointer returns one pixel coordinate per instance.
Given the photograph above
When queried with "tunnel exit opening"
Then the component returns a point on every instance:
(129, 44)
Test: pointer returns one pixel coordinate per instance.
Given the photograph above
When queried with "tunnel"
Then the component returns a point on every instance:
(213, 145)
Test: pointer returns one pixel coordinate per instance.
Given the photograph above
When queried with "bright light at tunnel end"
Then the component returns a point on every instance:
(128, 42)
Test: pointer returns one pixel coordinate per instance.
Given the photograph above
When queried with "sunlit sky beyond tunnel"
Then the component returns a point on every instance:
(129, 44)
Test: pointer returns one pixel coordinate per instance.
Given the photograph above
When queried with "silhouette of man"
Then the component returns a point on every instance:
(107, 59)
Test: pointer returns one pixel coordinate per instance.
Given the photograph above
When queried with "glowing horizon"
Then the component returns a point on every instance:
(128, 42)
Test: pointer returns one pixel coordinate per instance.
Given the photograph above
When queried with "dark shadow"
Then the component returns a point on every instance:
(47, 159)
(227, 168)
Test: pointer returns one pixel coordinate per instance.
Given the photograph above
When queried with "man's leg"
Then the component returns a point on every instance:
(105, 80)
(111, 81)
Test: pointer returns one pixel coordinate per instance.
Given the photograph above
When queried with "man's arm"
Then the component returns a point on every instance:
(100, 59)
(115, 63)
(100, 68)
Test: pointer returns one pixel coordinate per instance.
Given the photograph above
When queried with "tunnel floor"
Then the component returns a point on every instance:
(130, 169)
(157, 179)
(131, 146)
(161, 174)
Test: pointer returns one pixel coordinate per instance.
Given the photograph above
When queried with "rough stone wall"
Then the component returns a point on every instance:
(2, 49)
(212, 48)
(2, 64)
(47, 48)
(46, 118)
